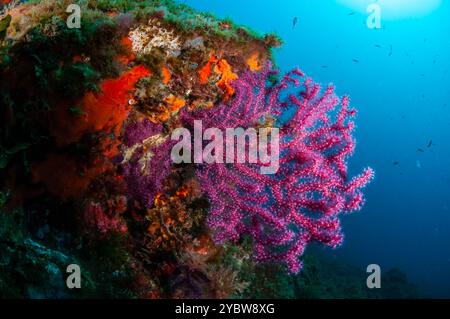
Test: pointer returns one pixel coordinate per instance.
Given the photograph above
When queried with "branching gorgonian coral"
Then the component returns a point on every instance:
(302, 202)
(146, 160)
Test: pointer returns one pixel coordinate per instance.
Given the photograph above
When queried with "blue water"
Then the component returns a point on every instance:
(403, 101)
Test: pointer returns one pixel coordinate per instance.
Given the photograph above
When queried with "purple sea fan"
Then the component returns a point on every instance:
(146, 160)
(302, 202)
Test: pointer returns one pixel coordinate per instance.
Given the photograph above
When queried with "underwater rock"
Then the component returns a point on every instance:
(325, 278)
(27, 268)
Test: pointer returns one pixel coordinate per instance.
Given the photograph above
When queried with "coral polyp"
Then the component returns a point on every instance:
(85, 150)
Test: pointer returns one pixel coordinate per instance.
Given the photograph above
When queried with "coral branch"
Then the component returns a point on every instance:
(146, 160)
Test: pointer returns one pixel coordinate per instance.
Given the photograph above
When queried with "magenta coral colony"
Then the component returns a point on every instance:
(302, 202)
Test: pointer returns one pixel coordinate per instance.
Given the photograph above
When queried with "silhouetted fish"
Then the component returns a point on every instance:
(396, 163)
(294, 22)
(324, 66)
(390, 49)
(355, 60)
(377, 46)
(420, 150)
(352, 13)
(430, 143)
(437, 56)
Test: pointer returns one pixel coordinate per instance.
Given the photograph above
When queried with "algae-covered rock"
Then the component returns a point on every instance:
(29, 269)
(326, 278)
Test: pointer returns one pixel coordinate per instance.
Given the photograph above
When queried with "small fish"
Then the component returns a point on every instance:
(430, 143)
(355, 60)
(324, 66)
(420, 150)
(352, 13)
(396, 163)
(390, 50)
(436, 58)
(377, 46)
(294, 22)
